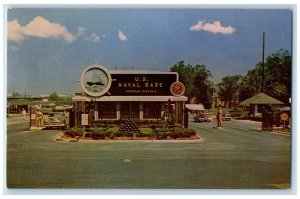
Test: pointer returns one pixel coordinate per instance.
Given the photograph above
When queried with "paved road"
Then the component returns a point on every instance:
(237, 156)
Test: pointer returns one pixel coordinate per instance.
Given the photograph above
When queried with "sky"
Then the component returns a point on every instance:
(48, 48)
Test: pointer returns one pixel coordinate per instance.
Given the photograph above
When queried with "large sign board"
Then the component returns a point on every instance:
(97, 81)
(142, 84)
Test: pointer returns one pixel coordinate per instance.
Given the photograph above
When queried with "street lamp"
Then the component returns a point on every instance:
(213, 100)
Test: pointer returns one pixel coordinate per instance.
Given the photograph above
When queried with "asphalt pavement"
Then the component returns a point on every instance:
(237, 156)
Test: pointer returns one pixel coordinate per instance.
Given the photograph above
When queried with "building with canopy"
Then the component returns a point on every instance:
(138, 95)
(258, 104)
(259, 100)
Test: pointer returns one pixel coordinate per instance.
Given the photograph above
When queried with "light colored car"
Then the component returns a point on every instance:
(226, 116)
(202, 116)
(56, 120)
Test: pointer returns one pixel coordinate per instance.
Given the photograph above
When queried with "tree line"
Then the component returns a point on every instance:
(277, 81)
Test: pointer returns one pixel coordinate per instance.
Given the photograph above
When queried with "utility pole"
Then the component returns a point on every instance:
(213, 100)
(263, 63)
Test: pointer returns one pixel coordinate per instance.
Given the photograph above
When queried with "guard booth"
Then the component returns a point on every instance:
(263, 109)
(120, 95)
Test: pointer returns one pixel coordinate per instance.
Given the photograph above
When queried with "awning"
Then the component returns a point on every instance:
(260, 98)
(132, 98)
(195, 107)
(26, 102)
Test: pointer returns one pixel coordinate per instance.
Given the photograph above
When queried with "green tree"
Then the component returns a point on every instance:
(277, 78)
(228, 88)
(186, 75)
(196, 81)
(53, 96)
(278, 81)
(251, 83)
(203, 86)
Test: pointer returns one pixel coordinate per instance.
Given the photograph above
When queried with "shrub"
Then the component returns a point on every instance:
(74, 132)
(183, 133)
(89, 134)
(163, 134)
(113, 129)
(146, 132)
(98, 133)
(190, 132)
(155, 126)
(96, 130)
(112, 132)
(128, 134)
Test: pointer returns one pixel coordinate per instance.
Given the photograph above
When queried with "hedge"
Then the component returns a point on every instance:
(112, 132)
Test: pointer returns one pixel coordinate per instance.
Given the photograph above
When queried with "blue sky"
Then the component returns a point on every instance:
(47, 48)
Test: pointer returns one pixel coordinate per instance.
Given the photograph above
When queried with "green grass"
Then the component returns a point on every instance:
(113, 130)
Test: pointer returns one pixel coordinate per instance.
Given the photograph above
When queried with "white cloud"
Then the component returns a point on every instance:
(14, 31)
(215, 27)
(94, 38)
(38, 27)
(122, 36)
(80, 31)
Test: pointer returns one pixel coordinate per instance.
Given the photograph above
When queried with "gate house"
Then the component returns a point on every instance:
(128, 94)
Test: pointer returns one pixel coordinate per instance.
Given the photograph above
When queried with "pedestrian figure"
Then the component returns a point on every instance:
(220, 117)
(267, 119)
(24, 114)
(66, 119)
(40, 118)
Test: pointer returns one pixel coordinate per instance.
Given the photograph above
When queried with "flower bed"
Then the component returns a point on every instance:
(144, 133)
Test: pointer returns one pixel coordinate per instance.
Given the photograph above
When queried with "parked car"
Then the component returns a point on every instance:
(202, 116)
(226, 116)
(56, 120)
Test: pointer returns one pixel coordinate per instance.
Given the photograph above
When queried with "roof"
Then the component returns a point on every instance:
(260, 98)
(116, 71)
(195, 107)
(132, 98)
(62, 108)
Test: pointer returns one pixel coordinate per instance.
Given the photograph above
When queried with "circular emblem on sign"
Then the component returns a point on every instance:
(284, 116)
(177, 88)
(95, 80)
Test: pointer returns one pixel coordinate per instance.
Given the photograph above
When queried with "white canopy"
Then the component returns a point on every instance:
(195, 107)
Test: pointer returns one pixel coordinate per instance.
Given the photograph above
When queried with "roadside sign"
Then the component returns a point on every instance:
(84, 119)
(284, 116)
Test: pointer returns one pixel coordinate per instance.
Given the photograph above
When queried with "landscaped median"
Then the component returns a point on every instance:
(118, 133)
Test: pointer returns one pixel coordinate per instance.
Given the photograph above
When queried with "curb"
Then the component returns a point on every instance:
(118, 141)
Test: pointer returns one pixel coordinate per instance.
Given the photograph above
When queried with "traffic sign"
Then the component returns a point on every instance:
(284, 116)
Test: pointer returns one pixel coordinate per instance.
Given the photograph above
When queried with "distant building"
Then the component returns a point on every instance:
(16, 104)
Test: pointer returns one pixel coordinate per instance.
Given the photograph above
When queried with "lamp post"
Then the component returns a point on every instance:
(263, 63)
(83, 114)
(213, 100)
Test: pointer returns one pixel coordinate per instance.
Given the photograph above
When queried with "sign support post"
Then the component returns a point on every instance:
(284, 117)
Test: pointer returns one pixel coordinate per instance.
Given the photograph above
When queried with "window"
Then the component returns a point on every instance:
(130, 110)
(152, 110)
(107, 110)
